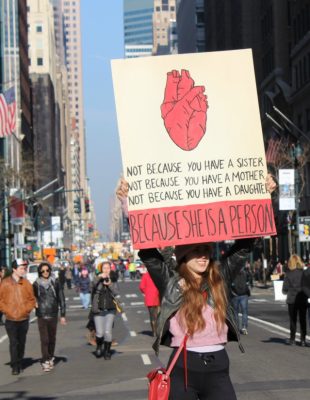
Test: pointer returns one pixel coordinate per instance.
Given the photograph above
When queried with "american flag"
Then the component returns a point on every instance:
(7, 112)
(272, 150)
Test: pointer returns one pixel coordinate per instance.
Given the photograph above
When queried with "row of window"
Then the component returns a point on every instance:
(147, 39)
(39, 61)
(139, 12)
(138, 19)
(138, 32)
(302, 72)
(136, 26)
(138, 50)
(165, 8)
(301, 24)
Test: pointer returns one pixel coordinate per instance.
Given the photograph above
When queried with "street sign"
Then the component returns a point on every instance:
(31, 238)
(304, 229)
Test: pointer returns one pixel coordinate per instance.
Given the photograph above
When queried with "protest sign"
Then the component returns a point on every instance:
(192, 148)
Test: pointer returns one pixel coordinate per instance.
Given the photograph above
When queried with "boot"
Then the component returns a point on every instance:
(98, 351)
(107, 351)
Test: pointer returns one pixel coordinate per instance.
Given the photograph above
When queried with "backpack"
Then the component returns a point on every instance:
(240, 285)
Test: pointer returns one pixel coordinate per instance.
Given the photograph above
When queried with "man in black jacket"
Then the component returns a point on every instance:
(240, 289)
(50, 298)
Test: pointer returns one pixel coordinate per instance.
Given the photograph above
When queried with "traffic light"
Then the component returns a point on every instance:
(87, 204)
(77, 205)
(90, 228)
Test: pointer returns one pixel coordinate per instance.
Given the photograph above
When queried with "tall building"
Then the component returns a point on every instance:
(191, 27)
(46, 104)
(14, 149)
(138, 28)
(73, 57)
(278, 33)
(164, 25)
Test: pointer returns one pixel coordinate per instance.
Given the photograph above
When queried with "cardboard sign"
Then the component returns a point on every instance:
(192, 148)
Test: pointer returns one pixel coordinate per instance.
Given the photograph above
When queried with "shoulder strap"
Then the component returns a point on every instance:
(176, 356)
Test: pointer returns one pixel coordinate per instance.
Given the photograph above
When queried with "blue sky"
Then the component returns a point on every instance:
(102, 40)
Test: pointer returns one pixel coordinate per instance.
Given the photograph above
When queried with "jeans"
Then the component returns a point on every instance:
(17, 332)
(85, 299)
(47, 329)
(242, 303)
(104, 324)
(208, 377)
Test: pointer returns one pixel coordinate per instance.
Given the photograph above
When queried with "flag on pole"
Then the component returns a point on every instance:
(272, 150)
(7, 112)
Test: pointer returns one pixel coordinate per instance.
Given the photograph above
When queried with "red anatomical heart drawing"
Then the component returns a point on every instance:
(184, 110)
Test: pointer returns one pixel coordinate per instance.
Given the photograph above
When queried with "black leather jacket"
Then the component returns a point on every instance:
(167, 281)
(49, 300)
(102, 297)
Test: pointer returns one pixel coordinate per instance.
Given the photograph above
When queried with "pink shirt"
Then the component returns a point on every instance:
(207, 337)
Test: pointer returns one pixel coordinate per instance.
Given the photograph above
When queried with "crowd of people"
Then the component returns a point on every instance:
(98, 290)
(190, 297)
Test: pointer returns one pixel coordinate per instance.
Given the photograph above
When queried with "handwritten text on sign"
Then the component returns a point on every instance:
(179, 181)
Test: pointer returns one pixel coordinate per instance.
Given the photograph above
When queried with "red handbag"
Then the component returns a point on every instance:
(159, 378)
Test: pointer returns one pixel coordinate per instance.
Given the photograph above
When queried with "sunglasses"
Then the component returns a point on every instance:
(45, 270)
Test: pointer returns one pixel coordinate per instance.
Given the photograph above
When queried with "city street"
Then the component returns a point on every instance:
(268, 370)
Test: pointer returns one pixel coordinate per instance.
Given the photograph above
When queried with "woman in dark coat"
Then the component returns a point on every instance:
(50, 299)
(296, 299)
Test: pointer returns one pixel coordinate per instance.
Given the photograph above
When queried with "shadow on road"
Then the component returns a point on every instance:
(276, 340)
(22, 396)
(147, 333)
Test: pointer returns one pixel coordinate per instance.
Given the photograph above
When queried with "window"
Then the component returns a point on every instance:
(39, 28)
(308, 119)
(40, 61)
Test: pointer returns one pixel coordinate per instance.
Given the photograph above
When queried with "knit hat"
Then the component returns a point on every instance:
(182, 250)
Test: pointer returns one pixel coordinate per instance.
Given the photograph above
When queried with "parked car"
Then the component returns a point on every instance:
(32, 271)
(141, 269)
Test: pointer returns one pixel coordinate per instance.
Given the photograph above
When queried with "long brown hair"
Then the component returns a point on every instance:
(194, 300)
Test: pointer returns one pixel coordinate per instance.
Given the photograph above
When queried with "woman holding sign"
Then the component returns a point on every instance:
(195, 306)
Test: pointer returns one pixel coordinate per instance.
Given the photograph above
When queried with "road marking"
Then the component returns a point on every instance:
(274, 326)
(76, 306)
(136, 303)
(4, 337)
(131, 295)
(147, 321)
(124, 317)
(146, 359)
(258, 301)
(76, 298)
(133, 333)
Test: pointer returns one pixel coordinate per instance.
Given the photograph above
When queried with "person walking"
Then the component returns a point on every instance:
(132, 268)
(68, 276)
(195, 310)
(305, 286)
(151, 299)
(16, 302)
(103, 309)
(296, 300)
(62, 275)
(240, 289)
(50, 298)
(83, 286)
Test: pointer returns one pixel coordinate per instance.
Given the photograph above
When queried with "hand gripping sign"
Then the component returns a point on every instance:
(191, 181)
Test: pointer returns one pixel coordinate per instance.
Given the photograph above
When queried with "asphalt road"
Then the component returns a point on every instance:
(269, 369)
